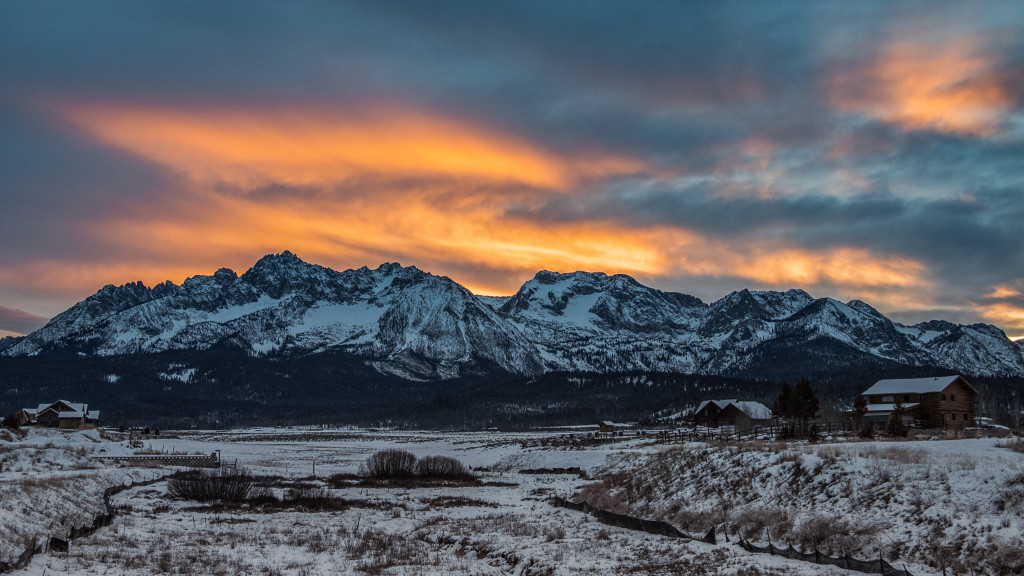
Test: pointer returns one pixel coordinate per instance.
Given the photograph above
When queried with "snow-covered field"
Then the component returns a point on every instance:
(501, 524)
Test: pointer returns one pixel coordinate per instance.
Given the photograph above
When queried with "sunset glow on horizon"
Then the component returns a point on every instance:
(869, 152)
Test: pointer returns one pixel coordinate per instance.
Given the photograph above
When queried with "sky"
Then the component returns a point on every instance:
(868, 150)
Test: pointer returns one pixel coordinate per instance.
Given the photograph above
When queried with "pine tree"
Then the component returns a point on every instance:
(806, 406)
(860, 409)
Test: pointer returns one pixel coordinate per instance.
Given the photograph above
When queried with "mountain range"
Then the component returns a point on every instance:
(408, 323)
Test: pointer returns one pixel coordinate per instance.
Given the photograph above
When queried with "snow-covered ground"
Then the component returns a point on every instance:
(501, 525)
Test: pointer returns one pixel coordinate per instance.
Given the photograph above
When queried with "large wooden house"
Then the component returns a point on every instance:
(741, 415)
(940, 402)
(60, 414)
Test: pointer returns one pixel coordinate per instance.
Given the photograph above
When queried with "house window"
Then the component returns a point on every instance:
(952, 416)
(906, 397)
(924, 416)
(888, 399)
(943, 396)
(952, 396)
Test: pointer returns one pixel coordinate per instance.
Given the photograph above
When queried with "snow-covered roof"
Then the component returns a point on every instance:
(880, 408)
(29, 411)
(911, 385)
(720, 403)
(71, 414)
(93, 415)
(755, 410)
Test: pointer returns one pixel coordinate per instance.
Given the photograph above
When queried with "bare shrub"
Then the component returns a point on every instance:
(832, 534)
(1015, 444)
(754, 523)
(1011, 497)
(1008, 561)
(441, 467)
(391, 463)
(901, 454)
(221, 484)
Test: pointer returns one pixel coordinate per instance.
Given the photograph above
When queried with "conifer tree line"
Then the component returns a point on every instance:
(797, 407)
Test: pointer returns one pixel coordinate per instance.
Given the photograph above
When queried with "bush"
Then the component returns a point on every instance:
(391, 463)
(10, 421)
(868, 431)
(441, 467)
(223, 484)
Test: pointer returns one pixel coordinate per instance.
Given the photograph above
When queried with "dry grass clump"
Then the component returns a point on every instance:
(1015, 444)
(218, 484)
(833, 535)
(754, 523)
(1012, 496)
(900, 454)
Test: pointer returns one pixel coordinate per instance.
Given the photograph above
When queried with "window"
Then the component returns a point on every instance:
(906, 397)
(943, 396)
(952, 396)
(952, 416)
(888, 399)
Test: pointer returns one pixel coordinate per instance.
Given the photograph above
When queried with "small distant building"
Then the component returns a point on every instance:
(606, 426)
(940, 402)
(25, 416)
(742, 415)
(60, 414)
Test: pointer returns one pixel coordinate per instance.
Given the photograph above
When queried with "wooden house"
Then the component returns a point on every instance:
(741, 415)
(940, 402)
(60, 414)
(707, 411)
(606, 426)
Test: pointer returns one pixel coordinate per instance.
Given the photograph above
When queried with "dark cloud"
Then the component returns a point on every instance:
(20, 322)
(730, 110)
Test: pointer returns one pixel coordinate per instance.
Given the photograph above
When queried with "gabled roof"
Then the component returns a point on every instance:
(721, 404)
(92, 415)
(29, 411)
(63, 406)
(755, 410)
(914, 385)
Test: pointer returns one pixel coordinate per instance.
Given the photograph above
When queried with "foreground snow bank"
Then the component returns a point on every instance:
(949, 504)
(49, 484)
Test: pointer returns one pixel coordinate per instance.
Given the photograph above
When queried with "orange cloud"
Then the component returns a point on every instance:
(1007, 315)
(426, 228)
(851, 267)
(1004, 291)
(316, 145)
(432, 191)
(947, 86)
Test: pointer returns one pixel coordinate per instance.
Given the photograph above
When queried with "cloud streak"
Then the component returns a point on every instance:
(18, 322)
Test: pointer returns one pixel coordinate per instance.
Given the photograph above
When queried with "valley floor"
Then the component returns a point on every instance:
(501, 525)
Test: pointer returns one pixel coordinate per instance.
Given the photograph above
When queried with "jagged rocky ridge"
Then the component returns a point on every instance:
(417, 325)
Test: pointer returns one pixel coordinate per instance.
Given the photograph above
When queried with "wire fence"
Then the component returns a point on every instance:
(56, 544)
(879, 566)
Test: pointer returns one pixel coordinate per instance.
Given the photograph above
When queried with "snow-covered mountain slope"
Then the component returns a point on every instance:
(591, 321)
(411, 323)
(406, 321)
